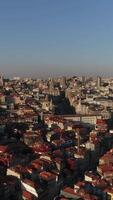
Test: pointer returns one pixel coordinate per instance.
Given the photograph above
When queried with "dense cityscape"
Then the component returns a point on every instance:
(56, 138)
(56, 100)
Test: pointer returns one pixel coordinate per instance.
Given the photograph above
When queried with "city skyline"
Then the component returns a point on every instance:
(53, 38)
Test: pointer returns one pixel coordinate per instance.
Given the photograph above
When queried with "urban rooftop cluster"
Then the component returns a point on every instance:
(56, 138)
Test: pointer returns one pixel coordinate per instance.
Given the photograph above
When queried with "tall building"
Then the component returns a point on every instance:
(83, 80)
(99, 80)
(63, 82)
(1, 80)
(51, 83)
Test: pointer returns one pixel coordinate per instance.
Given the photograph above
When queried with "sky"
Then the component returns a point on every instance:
(56, 37)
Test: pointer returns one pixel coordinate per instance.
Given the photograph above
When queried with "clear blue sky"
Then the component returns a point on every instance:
(50, 37)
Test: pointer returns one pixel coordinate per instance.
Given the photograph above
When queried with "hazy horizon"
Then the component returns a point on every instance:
(52, 38)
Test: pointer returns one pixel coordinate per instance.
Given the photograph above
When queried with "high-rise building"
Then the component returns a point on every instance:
(1, 80)
(99, 82)
(63, 82)
(52, 83)
(83, 80)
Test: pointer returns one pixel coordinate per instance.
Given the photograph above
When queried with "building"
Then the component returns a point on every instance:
(98, 82)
